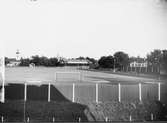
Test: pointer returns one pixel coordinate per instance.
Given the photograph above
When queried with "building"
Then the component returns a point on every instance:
(81, 63)
(138, 64)
(76, 62)
(13, 62)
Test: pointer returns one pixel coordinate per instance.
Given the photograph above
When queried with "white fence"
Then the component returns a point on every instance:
(96, 92)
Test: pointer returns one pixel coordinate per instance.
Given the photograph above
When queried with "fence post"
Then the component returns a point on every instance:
(2, 94)
(106, 119)
(80, 76)
(140, 92)
(56, 77)
(152, 117)
(130, 118)
(25, 91)
(79, 119)
(2, 119)
(97, 93)
(152, 69)
(159, 91)
(146, 69)
(140, 69)
(28, 119)
(53, 119)
(49, 92)
(73, 92)
(119, 92)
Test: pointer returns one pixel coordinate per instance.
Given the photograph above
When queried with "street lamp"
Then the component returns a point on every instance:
(158, 67)
(114, 66)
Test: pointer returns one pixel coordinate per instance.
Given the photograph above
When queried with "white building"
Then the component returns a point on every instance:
(84, 64)
(77, 62)
(138, 64)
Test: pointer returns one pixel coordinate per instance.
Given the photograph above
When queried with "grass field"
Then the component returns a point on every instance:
(22, 74)
(85, 89)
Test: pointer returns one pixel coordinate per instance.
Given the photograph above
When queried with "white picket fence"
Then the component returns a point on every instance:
(97, 91)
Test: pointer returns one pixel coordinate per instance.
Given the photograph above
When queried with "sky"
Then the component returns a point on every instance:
(73, 28)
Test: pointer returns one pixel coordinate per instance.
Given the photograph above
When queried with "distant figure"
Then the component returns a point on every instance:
(32, 65)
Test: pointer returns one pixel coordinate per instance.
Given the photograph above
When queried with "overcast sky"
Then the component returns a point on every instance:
(73, 28)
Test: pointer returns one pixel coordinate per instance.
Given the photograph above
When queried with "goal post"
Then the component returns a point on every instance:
(68, 76)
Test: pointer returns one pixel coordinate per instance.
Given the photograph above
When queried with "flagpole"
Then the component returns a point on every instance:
(3, 79)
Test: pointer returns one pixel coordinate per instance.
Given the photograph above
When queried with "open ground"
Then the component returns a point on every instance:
(85, 92)
(45, 74)
(85, 83)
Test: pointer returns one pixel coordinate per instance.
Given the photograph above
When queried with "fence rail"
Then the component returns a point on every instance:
(30, 99)
(96, 92)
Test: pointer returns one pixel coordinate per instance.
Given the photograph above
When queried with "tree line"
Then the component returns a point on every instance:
(156, 59)
(45, 61)
(41, 61)
(119, 61)
(38, 61)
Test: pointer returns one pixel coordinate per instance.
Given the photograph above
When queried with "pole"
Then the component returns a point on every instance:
(3, 78)
(114, 66)
(24, 111)
(140, 92)
(73, 92)
(53, 119)
(152, 116)
(25, 91)
(140, 69)
(96, 92)
(25, 99)
(146, 70)
(80, 77)
(119, 92)
(159, 91)
(130, 69)
(159, 72)
(130, 118)
(2, 119)
(49, 92)
(56, 77)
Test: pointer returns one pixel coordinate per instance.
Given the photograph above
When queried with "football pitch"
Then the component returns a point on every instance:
(45, 74)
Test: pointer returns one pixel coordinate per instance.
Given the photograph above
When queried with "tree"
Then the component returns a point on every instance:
(36, 60)
(121, 60)
(44, 61)
(106, 62)
(24, 62)
(154, 59)
(80, 58)
(164, 59)
(92, 60)
(53, 62)
(7, 60)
